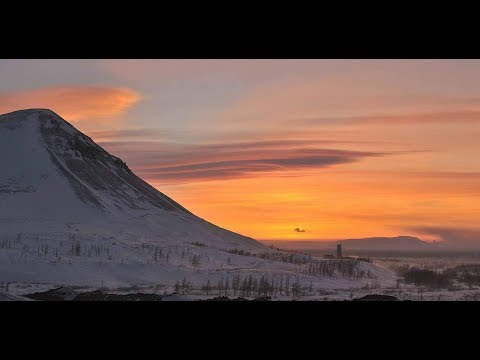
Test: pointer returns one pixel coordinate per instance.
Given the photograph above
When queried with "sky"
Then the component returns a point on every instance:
(283, 149)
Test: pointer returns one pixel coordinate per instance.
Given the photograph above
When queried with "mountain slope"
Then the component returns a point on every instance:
(56, 179)
(4, 296)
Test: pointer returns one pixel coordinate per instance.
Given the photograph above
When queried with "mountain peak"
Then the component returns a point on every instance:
(99, 179)
(26, 112)
(34, 119)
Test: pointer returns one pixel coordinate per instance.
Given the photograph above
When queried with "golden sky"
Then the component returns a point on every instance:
(283, 149)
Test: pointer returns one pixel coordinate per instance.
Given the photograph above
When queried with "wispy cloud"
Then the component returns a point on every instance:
(299, 230)
(77, 104)
(240, 168)
(162, 161)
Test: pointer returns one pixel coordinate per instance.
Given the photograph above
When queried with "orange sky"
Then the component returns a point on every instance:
(333, 148)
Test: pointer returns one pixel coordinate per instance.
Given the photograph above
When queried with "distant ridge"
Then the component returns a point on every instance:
(398, 243)
(386, 243)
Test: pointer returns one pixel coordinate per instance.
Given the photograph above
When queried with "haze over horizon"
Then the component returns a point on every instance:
(283, 149)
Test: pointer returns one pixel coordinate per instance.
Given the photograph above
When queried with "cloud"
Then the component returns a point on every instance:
(77, 104)
(299, 230)
(239, 168)
(170, 162)
(451, 235)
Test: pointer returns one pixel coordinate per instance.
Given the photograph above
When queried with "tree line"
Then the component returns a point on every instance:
(248, 286)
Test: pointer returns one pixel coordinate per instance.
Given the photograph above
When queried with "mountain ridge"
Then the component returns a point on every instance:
(401, 242)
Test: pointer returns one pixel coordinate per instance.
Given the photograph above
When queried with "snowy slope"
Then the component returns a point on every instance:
(4, 296)
(55, 179)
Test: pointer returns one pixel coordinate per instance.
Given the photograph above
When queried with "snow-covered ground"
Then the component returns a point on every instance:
(98, 262)
(6, 296)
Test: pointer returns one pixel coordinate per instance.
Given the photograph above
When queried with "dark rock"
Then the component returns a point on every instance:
(376, 297)
(226, 298)
(68, 294)
(219, 298)
(98, 295)
(58, 294)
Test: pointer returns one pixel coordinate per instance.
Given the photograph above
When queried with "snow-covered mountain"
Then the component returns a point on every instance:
(54, 179)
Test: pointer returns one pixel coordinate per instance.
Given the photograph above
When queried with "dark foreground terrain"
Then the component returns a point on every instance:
(68, 294)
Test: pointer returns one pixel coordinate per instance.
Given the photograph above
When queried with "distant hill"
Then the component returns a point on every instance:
(398, 243)
(386, 243)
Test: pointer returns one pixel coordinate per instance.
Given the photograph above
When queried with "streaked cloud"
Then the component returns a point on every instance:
(163, 161)
(240, 168)
(84, 105)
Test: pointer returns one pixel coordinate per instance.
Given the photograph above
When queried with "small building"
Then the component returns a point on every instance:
(339, 250)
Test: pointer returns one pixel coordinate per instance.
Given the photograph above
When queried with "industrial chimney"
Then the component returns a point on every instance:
(339, 250)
